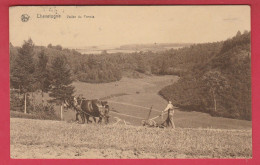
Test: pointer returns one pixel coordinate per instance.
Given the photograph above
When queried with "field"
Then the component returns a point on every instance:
(197, 135)
(58, 139)
(135, 97)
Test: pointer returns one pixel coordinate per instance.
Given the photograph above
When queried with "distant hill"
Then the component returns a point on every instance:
(154, 46)
(217, 79)
(130, 48)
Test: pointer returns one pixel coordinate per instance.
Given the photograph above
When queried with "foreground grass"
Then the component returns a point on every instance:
(141, 141)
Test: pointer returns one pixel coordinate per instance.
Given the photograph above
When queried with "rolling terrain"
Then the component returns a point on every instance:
(197, 135)
(135, 97)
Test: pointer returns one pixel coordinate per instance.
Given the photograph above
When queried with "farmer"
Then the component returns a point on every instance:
(77, 105)
(169, 119)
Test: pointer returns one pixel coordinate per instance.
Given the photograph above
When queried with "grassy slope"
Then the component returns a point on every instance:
(55, 139)
(147, 96)
(148, 88)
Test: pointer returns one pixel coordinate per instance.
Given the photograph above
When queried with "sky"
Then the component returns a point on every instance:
(120, 25)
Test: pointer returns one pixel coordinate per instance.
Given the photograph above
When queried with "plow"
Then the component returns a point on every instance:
(148, 122)
(151, 122)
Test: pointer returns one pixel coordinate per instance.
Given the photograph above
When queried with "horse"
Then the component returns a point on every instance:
(95, 108)
(89, 108)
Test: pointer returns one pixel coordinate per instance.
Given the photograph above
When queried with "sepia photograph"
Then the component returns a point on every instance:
(130, 82)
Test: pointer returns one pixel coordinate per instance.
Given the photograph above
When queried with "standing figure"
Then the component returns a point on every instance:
(169, 119)
(77, 106)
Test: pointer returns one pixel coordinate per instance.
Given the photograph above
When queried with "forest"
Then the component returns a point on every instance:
(214, 77)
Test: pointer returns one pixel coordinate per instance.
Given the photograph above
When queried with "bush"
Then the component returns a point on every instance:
(45, 112)
(16, 102)
(41, 111)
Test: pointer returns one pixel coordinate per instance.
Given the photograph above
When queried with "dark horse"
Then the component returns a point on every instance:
(95, 108)
(90, 108)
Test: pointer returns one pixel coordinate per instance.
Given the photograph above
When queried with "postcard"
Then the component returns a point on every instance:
(130, 82)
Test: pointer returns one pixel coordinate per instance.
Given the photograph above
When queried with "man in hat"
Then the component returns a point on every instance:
(169, 119)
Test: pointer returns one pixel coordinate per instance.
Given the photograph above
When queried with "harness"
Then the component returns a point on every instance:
(78, 107)
(84, 112)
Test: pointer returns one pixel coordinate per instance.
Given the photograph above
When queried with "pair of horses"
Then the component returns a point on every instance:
(89, 108)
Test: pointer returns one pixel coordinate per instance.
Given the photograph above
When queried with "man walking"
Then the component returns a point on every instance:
(169, 119)
(77, 106)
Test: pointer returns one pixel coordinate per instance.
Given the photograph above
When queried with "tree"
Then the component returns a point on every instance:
(42, 73)
(246, 32)
(164, 67)
(13, 56)
(22, 73)
(104, 52)
(58, 47)
(238, 34)
(215, 82)
(61, 88)
(49, 46)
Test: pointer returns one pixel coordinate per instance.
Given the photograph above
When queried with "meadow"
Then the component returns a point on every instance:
(135, 97)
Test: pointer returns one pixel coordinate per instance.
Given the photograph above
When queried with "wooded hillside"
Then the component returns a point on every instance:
(219, 83)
